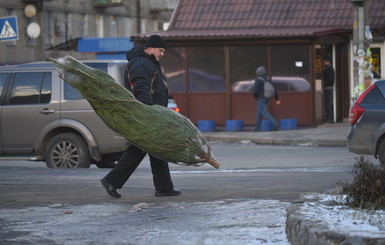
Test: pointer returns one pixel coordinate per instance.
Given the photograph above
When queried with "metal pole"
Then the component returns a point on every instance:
(355, 84)
(360, 55)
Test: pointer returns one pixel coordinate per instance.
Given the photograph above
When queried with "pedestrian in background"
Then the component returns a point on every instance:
(263, 91)
(146, 81)
(328, 79)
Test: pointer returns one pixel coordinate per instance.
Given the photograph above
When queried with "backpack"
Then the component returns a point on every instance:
(269, 90)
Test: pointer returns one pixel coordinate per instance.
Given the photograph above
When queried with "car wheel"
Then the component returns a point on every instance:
(381, 152)
(67, 150)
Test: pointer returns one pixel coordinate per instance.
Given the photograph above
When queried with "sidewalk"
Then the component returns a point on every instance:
(323, 135)
(313, 220)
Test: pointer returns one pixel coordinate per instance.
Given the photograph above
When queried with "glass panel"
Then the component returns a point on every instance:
(290, 67)
(244, 62)
(174, 67)
(71, 93)
(26, 88)
(206, 73)
(374, 97)
(45, 94)
(376, 62)
(3, 79)
(96, 65)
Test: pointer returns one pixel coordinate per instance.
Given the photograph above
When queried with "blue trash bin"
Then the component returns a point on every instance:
(266, 125)
(288, 123)
(234, 125)
(206, 125)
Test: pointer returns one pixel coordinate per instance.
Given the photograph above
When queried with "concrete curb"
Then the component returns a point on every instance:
(301, 230)
(335, 136)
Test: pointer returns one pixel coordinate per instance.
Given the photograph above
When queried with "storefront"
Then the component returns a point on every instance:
(214, 50)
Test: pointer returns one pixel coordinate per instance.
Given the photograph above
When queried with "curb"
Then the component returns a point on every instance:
(302, 229)
(276, 140)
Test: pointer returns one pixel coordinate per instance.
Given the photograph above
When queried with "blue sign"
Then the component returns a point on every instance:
(8, 29)
(104, 45)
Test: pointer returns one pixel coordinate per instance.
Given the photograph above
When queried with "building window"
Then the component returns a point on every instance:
(113, 27)
(99, 26)
(48, 26)
(175, 69)
(127, 27)
(244, 62)
(68, 27)
(290, 67)
(376, 62)
(206, 69)
(84, 26)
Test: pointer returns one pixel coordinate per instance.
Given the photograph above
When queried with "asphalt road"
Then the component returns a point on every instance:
(243, 202)
(247, 171)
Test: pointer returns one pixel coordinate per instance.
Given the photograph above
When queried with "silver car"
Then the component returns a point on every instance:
(42, 118)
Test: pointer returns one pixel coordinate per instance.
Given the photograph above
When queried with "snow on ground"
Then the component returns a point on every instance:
(341, 218)
(221, 222)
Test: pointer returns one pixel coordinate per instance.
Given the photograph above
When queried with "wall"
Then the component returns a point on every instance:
(63, 21)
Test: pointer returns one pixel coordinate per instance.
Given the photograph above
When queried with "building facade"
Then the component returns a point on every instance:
(58, 25)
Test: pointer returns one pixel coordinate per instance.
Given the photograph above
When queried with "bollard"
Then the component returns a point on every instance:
(206, 125)
(234, 125)
(266, 125)
(288, 123)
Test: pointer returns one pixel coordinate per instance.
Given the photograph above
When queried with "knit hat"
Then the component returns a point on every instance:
(155, 41)
(260, 71)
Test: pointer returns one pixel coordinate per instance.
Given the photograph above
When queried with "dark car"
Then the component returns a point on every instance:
(367, 120)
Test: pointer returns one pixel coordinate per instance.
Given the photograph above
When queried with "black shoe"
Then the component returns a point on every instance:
(167, 193)
(109, 188)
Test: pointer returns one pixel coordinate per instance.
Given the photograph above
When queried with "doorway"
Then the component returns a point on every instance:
(338, 53)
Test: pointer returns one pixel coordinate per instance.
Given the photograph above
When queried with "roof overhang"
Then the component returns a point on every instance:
(260, 33)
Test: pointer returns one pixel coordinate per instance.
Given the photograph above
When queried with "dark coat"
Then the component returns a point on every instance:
(145, 78)
(259, 88)
(328, 76)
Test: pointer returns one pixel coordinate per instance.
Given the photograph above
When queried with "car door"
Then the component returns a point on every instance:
(4, 78)
(29, 105)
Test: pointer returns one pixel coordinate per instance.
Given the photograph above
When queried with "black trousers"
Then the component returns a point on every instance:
(130, 160)
(328, 104)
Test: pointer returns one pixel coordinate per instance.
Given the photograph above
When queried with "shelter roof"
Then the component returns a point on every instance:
(265, 18)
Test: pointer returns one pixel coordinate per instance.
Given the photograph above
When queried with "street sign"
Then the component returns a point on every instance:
(8, 29)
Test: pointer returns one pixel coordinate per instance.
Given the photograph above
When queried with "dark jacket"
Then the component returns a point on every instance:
(259, 88)
(328, 76)
(145, 78)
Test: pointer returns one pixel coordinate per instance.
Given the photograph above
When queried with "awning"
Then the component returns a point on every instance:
(240, 33)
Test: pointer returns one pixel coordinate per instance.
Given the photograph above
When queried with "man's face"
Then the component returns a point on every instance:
(157, 52)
